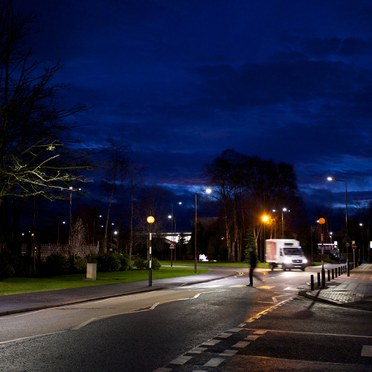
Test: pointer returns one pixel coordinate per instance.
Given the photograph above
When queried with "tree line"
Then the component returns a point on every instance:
(37, 163)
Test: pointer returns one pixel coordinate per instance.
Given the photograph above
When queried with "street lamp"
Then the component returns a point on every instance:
(321, 222)
(284, 210)
(265, 220)
(70, 207)
(346, 239)
(207, 191)
(150, 220)
(361, 259)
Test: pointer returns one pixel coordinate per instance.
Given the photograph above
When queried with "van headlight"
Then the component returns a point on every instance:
(304, 260)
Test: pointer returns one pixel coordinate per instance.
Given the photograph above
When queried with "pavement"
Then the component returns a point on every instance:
(354, 290)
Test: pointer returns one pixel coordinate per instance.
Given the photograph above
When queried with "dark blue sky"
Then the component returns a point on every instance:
(182, 80)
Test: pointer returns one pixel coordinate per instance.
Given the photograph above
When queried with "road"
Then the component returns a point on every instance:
(147, 331)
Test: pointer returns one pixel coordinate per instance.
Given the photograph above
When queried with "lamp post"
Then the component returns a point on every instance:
(207, 191)
(284, 210)
(361, 249)
(321, 222)
(265, 220)
(70, 212)
(346, 239)
(150, 221)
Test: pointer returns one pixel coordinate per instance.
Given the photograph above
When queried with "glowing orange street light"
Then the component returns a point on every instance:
(321, 221)
(150, 220)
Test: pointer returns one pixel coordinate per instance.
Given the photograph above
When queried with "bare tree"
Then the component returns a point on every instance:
(33, 158)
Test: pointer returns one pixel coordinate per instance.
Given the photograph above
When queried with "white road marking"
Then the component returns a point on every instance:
(214, 362)
(29, 337)
(182, 359)
(366, 351)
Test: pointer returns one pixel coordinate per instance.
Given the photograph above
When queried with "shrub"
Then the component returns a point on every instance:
(56, 264)
(6, 266)
(79, 264)
(140, 264)
(124, 262)
(7, 271)
(108, 262)
(155, 264)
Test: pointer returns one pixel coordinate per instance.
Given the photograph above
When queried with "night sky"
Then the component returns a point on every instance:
(179, 81)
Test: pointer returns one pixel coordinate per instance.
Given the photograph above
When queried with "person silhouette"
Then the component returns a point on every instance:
(252, 266)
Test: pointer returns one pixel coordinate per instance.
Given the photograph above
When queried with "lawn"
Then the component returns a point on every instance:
(23, 285)
(180, 268)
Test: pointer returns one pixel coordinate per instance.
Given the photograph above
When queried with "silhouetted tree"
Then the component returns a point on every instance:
(246, 187)
(31, 124)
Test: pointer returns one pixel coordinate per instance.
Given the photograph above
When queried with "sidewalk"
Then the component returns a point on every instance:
(352, 291)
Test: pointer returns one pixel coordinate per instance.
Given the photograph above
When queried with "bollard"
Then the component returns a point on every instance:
(312, 282)
(318, 275)
(333, 274)
(323, 278)
(329, 275)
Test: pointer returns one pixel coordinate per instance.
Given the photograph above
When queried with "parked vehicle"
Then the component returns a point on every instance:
(286, 253)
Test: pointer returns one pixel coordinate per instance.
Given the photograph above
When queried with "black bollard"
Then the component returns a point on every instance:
(323, 278)
(312, 282)
(318, 275)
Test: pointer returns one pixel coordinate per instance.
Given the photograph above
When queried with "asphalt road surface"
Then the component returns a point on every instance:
(147, 331)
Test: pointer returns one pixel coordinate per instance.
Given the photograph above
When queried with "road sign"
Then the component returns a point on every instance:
(172, 246)
(354, 246)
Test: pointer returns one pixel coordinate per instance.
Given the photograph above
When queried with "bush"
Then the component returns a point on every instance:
(108, 262)
(79, 264)
(56, 264)
(124, 262)
(7, 271)
(155, 264)
(6, 266)
(140, 264)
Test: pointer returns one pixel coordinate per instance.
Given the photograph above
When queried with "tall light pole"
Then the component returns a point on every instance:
(207, 191)
(284, 210)
(70, 207)
(150, 221)
(361, 259)
(321, 222)
(346, 239)
(265, 218)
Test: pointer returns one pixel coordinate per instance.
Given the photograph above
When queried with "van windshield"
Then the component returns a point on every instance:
(292, 251)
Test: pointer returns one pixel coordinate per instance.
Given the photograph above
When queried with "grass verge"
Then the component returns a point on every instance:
(180, 268)
(24, 285)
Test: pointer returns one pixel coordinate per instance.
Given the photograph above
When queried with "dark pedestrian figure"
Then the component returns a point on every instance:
(252, 266)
